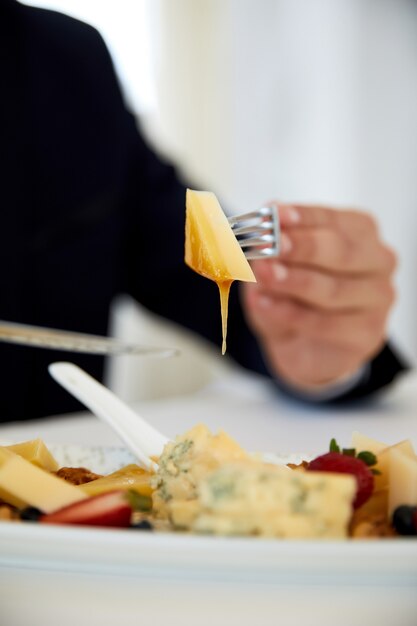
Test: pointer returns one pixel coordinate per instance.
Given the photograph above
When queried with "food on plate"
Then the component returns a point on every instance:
(187, 460)
(402, 486)
(108, 509)
(24, 484)
(207, 483)
(36, 452)
(405, 520)
(346, 464)
(258, 499)
(131, 477)
(77, 475)
(211, 248)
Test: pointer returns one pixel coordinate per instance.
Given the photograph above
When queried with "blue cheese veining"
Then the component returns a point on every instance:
(269, 501)
(187, 460)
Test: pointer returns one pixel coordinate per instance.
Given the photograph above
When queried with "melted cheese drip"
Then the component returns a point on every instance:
(224, 289)
(211, 248)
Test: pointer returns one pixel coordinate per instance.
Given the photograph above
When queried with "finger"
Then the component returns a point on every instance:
(278, 319)
(332, 251)
(324, 290)
(346, 220)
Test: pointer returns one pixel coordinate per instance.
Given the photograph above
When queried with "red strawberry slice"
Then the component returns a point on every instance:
(108, 509)
(344, 464)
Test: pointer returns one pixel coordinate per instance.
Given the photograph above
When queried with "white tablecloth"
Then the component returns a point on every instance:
(260, 419)
(252, 411)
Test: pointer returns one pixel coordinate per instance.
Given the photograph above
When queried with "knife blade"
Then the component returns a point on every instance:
(51, 338)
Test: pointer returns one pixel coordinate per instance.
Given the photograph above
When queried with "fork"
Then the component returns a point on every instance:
(258, 232)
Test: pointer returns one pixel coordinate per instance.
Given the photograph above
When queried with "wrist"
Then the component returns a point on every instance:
(330, 390)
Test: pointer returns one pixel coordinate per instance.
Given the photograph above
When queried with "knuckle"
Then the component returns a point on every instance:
(369, 222)
(319, 324)
(363, 220)
(336, 288)
(287, 314)
(376, 323)
(296, 315)
(390, 293)
(345, 253)
(304, 282)
(391, 258)
(310, 247)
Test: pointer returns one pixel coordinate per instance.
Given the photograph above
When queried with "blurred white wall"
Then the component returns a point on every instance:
(308, 100)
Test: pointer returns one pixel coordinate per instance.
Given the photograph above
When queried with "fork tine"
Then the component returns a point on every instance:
(256, 241)
(257, 232)
(259, 228)
(258, 213)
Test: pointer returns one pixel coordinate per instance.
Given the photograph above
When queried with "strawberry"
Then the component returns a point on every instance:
(345, 464)
(107, 509)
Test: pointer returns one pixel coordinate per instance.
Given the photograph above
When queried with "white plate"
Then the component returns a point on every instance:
(185, 557)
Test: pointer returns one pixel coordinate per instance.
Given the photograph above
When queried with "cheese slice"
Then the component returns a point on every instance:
(129, 477)
(402, 480)
(211, 248)
(37, 453)
(381, 480)
(362, 442)
(187, 460)
(270, 501)
(24, 484)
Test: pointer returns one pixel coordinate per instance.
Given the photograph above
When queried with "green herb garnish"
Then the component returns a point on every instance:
(369, 458)
(333, 446)
(138, 502)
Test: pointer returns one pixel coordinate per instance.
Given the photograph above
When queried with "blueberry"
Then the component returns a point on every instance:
(142, 525)
(404, 520)
(30, 514)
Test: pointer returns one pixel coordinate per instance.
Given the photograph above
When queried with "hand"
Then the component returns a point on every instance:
(320, 310)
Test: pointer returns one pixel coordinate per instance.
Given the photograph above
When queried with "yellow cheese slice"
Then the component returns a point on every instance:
(24, 484)
(128, 477)
(362, 442)
(211, 248)
(402, 480)
(384, 462)
(37, 453)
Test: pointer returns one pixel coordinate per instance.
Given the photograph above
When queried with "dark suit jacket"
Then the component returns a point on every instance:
(89, 211)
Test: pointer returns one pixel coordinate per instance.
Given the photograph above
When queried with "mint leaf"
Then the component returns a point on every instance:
(349, 451)
(367, 457)
(333, 446)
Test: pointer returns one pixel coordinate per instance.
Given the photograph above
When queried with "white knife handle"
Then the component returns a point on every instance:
(138, 435)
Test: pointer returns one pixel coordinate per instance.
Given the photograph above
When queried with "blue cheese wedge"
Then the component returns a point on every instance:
(187, 460)
(257, 499)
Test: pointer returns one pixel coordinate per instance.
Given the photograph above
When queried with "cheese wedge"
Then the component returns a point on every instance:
(362, 442)
(128, 477)
(211, 248)
(402, 480)
(36, 452)
(24, 484)
(188, 459)
(269, 501)
(384, 462)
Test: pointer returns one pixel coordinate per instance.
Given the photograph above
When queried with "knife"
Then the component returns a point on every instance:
(40, 337)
